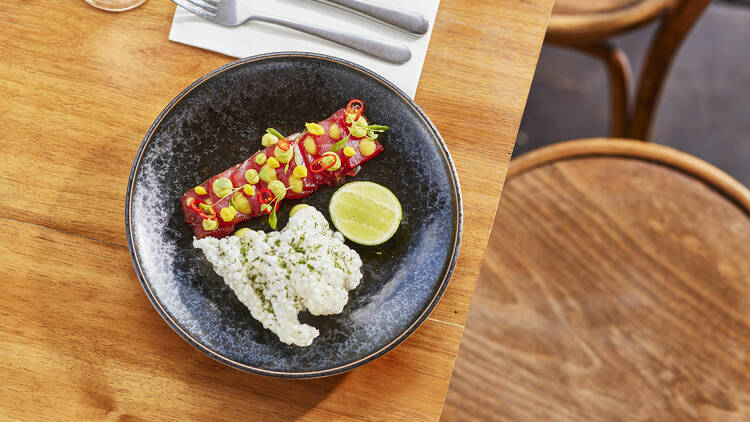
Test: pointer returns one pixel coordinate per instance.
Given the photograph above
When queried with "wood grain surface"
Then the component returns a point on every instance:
(79, 339)
(616, 287)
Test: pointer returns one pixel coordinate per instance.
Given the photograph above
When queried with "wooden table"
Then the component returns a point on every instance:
(79, 339)
(616, 287)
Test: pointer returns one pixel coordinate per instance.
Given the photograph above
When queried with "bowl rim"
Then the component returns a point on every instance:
(390, 345)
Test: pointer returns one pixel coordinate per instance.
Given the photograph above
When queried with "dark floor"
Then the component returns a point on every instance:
(704, 109)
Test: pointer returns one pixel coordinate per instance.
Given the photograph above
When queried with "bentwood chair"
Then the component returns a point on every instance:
(615, 287)
(587, 26)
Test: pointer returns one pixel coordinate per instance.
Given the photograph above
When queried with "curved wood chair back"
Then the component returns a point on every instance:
(587, 27)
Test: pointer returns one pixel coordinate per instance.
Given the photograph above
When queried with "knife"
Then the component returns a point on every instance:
(413, 22)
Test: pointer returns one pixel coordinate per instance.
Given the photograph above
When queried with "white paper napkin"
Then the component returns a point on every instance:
(255, 37)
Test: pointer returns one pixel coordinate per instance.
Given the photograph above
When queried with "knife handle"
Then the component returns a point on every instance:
(391, 51)
(413, 22)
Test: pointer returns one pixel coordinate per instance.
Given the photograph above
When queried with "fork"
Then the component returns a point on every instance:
(234, 13)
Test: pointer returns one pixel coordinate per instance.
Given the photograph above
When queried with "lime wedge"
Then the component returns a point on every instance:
(365, 212)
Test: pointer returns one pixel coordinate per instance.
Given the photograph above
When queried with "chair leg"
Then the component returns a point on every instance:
(620, 80)
(673, 30)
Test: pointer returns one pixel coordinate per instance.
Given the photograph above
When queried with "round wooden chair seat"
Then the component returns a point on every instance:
(582, 22)
(616, 286)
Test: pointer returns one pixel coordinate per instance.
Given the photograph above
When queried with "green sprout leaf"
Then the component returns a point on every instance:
(378, 128)
(272, 218)
(274, 132)
(340, 144)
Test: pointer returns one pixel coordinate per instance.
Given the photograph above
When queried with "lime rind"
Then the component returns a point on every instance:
(365, 212)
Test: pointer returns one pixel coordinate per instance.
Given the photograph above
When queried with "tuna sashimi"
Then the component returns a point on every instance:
(325, 153)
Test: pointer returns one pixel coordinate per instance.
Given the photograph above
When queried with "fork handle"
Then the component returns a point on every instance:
(383, 49)
(413, 22)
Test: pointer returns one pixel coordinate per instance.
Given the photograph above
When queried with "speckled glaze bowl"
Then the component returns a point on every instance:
(217, 122)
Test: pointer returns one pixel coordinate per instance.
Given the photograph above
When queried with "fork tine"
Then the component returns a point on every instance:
(212, 2)
(194, 9)
(204, 5)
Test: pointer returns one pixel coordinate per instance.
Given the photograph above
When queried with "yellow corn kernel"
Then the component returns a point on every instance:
(241, 203)
(222, 186)
(242, 232)
(283, 156)
(278, 189)
(273, 163)
(315, 128)
(310, 146)
(200, 190)
(334, 131)
(252, 176)
(260, 159)
(228, 213)
(358, 131)
(361, 120)
(249, 190)
(366, 147)
(300, 171)
(267, 174)
(210, 225)
(296, 184)
(349, 151)
(267, 140)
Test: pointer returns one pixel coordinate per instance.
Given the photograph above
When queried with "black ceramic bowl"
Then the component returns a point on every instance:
(217, 122)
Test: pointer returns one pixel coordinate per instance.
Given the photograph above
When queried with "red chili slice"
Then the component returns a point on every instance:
(319, 166)
(360, 107)
(265, 196)
(284, 144)
(194, 207)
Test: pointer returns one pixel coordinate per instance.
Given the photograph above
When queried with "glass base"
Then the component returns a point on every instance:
(115, 5)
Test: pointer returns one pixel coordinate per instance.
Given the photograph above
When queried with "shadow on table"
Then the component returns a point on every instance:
(193, 386)
(275, 398)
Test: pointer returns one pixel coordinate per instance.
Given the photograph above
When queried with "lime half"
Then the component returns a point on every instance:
(365, 212)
